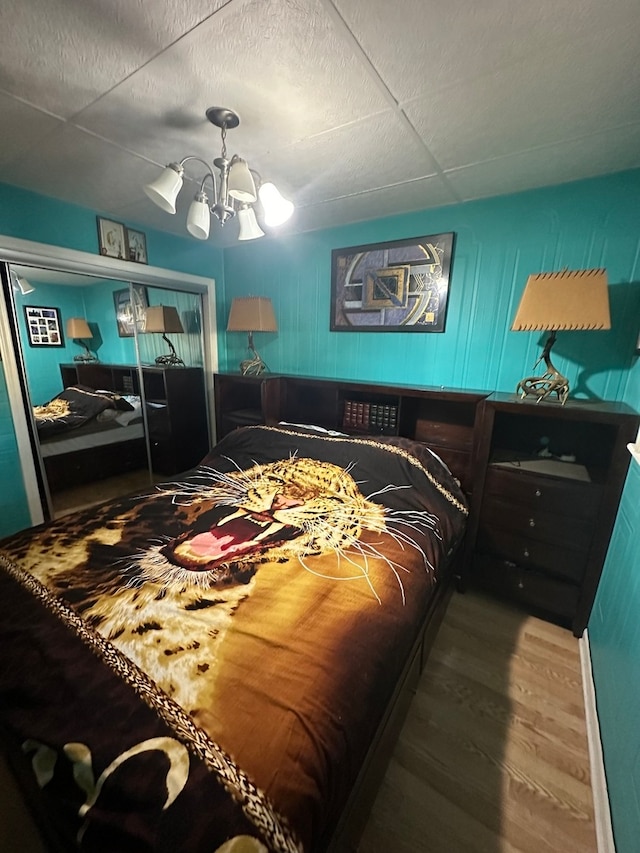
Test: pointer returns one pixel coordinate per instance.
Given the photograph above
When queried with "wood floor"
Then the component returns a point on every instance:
(493, 757)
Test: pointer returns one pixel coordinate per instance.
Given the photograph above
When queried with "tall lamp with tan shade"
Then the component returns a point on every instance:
(551, 302)
(252, 314)
(161, 319)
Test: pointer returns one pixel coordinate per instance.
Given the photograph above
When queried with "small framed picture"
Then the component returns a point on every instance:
(128, 313)
(43, 326)
(112, 239)
(136, 246)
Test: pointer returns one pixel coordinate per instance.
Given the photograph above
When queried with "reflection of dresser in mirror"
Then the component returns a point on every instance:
(176, 417)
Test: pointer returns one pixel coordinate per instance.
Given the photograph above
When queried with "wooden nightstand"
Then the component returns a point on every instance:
(548, 483)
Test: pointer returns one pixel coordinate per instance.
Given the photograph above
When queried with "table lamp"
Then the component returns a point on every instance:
(568, 300)
(78, 329)
(252, 314)
(161, 319)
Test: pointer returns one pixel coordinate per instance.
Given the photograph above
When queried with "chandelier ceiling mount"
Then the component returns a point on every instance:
(235, 192)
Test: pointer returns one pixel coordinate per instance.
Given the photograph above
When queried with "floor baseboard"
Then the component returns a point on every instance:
(602, 812)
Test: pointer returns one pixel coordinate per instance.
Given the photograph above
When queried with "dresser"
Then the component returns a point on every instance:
(548, 480)
(176, 407)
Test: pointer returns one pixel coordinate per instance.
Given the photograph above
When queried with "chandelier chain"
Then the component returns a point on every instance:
(223, 134)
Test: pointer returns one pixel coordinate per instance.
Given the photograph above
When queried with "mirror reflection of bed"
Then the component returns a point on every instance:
(107, 418)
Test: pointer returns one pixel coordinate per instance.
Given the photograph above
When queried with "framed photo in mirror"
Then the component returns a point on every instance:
(128, 313)
(43, 326)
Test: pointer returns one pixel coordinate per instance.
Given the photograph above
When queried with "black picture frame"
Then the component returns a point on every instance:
(395, 286)
(128, 314)
(112, 239)
(43, 326)
(136, 246)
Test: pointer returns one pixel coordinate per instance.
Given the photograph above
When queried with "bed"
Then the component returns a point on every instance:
(217, 664)
(86, 434)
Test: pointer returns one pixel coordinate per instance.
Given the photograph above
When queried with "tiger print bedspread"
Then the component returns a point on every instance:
(211, 659)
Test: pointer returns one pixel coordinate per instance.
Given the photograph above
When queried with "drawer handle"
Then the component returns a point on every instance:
(520, 585)
(538, 493)
(532, 522)
(526, 552)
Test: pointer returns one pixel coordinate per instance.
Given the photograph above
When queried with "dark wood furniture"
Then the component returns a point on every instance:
(445, 419)
(548, 480)
(176, 418)
(543, 480)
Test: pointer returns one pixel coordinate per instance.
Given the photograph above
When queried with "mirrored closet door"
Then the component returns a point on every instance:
(114, 381)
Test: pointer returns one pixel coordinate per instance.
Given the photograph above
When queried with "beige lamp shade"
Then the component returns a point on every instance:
(77, 327)
(576, 300)
(252, 314)
(162, 319)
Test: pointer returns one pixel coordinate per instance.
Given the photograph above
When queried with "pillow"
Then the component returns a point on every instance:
(135, 412)
(119, 402)
(314, 428)
(107, 415)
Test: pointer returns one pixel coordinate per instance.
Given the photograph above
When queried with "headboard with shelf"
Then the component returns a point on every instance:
(444, 419)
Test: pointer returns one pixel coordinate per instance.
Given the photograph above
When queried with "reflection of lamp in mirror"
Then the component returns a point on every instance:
(252, 314)
(78, 329)
(162, 319)
(556, 301)
(20, 284)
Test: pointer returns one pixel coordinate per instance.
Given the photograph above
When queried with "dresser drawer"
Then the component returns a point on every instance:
(552, 494)
(564, 562)
(529, 523)
(532, 589)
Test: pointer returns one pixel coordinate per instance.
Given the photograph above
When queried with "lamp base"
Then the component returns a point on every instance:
(551, 382)
(253, 366)
(171, 360)
(85, 357)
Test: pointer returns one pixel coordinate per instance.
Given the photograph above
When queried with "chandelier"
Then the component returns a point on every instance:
(236, 191)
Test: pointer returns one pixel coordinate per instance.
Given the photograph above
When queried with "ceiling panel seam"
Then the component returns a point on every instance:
(360, 54)
(223, 9)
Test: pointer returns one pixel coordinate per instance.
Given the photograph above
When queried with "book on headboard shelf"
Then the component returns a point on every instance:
(363, 416)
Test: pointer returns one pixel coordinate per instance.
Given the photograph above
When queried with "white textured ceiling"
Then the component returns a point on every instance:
(356, 109)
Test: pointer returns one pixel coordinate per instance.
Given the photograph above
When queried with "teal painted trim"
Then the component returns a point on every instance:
(614, 637)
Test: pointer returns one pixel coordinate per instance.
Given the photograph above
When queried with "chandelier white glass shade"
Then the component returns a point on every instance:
(234, 192)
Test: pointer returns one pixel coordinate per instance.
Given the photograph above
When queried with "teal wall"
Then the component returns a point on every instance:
(95, 302)
(498, 243)
(614, 635)
(96, 305)
(45, 220)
